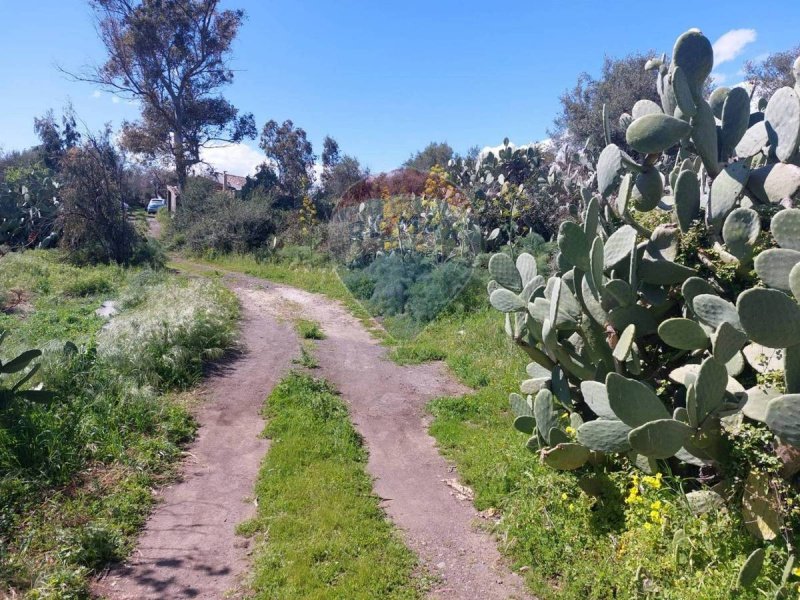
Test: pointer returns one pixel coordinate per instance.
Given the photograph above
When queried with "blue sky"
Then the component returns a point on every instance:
(383, 78)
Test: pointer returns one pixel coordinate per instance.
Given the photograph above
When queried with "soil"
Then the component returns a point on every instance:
(188, 548)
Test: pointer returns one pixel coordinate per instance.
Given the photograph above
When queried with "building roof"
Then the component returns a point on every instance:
(234, 182)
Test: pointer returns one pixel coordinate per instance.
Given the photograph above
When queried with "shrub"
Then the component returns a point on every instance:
(674, 349)
(165, 340)
(88, 284)
(434, 291)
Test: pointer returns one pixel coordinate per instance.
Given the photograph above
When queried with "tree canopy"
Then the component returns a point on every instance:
(172, 57)
(433, 154)
(291, 154)
(621, 83)
(772, 73)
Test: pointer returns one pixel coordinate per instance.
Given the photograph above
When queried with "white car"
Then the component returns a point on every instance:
(155, 205)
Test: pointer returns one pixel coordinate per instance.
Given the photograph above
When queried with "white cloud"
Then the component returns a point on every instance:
(731, 44)
(115, 99)
(236, 159)
(97, 94)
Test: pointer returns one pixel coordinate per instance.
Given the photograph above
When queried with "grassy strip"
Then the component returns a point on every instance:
(76, 475)
(324, 535)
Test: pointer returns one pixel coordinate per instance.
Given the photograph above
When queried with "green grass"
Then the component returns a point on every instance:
(308, 329)
(76, 475)
(323, 535)
(575, 546)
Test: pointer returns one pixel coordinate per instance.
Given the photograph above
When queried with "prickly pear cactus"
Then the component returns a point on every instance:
(677, 293)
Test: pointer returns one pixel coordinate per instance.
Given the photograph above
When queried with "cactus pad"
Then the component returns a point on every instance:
(785, 228)
(520, 407)
(565, 457)
(609, 165)
(526, 266)
(753, 140)
(783, 418)
(664, 272)
(596, 398)
(774, 266)
(645, 107)
(605, 436)
(714, 311)
(783, 117)
(727, 341)
(618, 245)
(794, 281)
(661, 438)
(506, 301)
(717, 100)
(574, 245)
(687, 198)
(726, 190)
(751, 569)
(654, 133)
(735, 117)
(740, 231)
(769, 317)
(503, 270)
(773, 183)
(633, 402)
(684, 334)
(694, 55)
(683, 92)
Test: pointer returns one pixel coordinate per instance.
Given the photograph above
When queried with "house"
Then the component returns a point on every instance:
(232, 184)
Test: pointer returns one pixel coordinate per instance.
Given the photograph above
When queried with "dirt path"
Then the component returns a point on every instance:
(387, 405)
(188, 549)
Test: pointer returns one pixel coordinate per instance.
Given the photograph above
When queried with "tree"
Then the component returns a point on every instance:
(339, 173)
(172, 57)
(433, 154)
(330, 152)
(339, 178)
(95, 226)
(293, 157)
(622, 82)
(56, 139)
(773, 72)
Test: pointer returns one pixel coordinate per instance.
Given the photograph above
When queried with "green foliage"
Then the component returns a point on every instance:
(315, 500)
(76, 472)
(628, 311)
(216, 222)
(309, 330)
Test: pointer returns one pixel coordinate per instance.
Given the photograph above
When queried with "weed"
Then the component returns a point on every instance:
(307, 358)
(309, 330)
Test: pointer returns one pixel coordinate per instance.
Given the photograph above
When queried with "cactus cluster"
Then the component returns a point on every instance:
(633, 350)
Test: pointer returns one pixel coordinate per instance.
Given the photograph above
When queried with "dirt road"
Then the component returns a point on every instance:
(188, 549)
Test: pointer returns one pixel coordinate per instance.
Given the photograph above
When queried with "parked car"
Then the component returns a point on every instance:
(155, 205)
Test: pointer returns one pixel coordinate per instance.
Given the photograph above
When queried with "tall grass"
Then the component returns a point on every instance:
(76, 474)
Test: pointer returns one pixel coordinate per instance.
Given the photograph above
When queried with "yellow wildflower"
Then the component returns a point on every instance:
(796, 571)
(571, 430)
(656, 505)
(571, 508)
(648, 526)
(564, 496)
